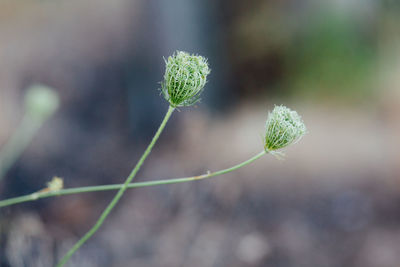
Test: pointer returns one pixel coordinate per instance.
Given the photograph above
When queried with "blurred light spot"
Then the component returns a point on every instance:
(252, 248)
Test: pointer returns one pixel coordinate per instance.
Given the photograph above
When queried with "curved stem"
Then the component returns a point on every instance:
(120, 192)
(87, 189)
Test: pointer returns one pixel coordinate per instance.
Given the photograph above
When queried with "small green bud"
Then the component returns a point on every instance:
(184, 79)
(283, 127)
(41, 101)
(56, 184)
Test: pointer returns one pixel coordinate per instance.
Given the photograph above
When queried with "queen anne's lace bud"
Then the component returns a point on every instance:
(184, 79)
(41, 101)
(283, 127)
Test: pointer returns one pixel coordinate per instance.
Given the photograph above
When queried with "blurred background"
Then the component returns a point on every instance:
(334, 201)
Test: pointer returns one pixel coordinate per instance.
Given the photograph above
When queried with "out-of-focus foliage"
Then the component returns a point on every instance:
(334, 54)
(329, 50)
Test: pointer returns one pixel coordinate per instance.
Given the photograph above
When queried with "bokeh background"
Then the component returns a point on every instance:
(334, 201)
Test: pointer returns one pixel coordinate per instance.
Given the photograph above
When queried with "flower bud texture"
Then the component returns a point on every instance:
(283, 127)
(184, 79)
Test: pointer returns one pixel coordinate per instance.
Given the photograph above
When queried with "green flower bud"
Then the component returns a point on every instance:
(184, 79)
(283, 127)
(41, 101)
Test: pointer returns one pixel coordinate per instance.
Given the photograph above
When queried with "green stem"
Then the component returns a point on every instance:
(87, 189)
(119, 194)
(18, 142)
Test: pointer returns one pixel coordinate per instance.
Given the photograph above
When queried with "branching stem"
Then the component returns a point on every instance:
(87, 189)
(120, 192)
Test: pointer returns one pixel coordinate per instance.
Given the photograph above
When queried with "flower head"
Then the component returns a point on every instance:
(41, 101)
(184, 79)
(283, 127)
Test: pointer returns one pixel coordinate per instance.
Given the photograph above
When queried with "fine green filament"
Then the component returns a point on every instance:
(120, 192)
